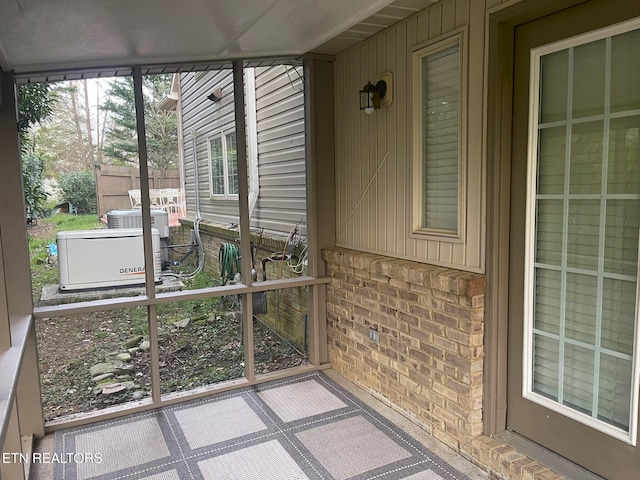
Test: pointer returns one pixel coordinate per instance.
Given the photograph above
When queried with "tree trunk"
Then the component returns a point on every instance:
(88, 124)
(76, 122)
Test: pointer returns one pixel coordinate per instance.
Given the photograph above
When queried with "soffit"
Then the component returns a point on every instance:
(384, 18)
(56, 35)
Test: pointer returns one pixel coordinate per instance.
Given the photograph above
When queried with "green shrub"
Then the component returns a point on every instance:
(34, 194)
(79, 188)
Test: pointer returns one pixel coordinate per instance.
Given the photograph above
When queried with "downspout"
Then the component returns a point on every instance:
(198, 219)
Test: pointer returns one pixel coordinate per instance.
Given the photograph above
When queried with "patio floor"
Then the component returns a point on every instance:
(315, 426)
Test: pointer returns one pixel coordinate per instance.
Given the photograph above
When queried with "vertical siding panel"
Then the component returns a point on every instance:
(342, 134)
(339, 139)
(381, 154)
(392, 160)
(345, 152)
(364, 172)
(412, 40)
(344, 226)
(448, 15)
(348, 154)
(458, 254)
(431, 250)
(435, 21)
(372, 133)
(355, 156)
(422, 28)
(445, 253)
(403, 150)
(462, 13)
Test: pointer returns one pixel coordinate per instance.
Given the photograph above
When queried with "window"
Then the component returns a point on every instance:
(438, 137)
(223, 160)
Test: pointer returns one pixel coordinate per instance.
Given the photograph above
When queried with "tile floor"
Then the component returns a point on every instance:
(313, 426)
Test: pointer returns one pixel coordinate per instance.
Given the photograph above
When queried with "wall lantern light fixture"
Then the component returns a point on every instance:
(216, 95)
(374, 96)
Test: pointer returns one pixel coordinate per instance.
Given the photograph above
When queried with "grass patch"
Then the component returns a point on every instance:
(44, 269)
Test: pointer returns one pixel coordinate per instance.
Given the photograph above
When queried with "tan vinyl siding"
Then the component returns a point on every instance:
(374, 210)
(281, 201)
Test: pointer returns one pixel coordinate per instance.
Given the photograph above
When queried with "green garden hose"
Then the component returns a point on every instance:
(229, 262)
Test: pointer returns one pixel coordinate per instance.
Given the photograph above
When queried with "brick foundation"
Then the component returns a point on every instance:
(287, 308)
(428, 362)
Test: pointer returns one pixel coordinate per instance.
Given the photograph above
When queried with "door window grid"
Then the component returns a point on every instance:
(563, 341)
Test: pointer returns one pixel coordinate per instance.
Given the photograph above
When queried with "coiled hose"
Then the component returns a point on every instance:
(229, 262)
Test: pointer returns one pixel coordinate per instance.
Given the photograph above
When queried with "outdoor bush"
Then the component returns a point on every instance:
(79, 188)
(34, 194)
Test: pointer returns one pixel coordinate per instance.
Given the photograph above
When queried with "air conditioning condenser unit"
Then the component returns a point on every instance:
(133, 219)
(89, 259)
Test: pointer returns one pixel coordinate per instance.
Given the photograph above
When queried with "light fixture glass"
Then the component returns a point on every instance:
(370, 96)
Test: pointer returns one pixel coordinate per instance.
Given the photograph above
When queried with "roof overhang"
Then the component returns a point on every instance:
(46, 35)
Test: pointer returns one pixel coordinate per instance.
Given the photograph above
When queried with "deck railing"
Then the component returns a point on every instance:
(11, 438)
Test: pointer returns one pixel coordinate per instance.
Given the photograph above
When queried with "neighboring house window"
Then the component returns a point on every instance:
(438, 118)
(223, 159)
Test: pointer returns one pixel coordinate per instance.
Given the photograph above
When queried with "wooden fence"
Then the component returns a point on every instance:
(113, 185)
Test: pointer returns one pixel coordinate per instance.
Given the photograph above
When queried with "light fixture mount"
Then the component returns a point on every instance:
(372, 97)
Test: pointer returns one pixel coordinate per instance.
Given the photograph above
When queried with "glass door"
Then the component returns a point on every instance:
(573, 368)
(582, 231)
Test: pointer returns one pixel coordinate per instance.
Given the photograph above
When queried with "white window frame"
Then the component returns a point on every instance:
(252, 137)
(225, 165)
(629, 437)
(457, 37)
(252, 147)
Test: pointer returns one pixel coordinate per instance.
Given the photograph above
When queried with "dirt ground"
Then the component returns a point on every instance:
(200, 343)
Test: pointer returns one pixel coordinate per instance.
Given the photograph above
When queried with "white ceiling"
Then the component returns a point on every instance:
(41, 35)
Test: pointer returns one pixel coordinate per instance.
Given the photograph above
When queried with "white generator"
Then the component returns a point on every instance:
(90, 259)
(133, 219)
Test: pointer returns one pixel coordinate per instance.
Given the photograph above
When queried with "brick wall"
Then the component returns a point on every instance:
(429, 358)
(287, 308)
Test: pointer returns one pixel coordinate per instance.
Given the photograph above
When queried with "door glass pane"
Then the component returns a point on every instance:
(580, 308)
(583, 232)
(545, 367)
(551, 164)
(547, 315)
(586, 158)
(618, 309)
(549, 232)
(613, 397)
(587, 218)
(588, 79)
(625, 72)
(578, 378)
(554, 70)
(623, 174)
